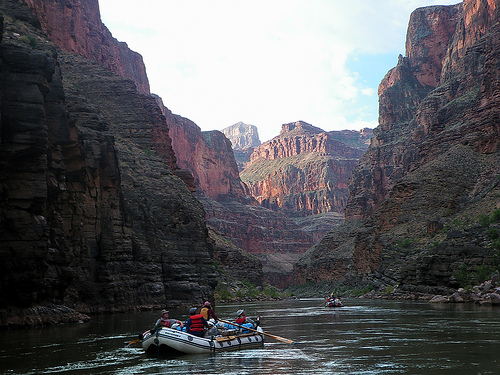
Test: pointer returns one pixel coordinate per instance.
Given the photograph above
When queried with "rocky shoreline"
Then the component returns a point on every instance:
(488, 293)
(39, 316)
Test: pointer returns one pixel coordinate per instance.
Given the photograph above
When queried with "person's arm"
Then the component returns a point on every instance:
(204, 321)
(212, 314)
(188, 324)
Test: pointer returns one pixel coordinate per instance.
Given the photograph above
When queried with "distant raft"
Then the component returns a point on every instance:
(337, 302)
(169, 340)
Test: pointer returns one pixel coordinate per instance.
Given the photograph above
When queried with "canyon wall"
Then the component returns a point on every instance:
(303, 171)
(93, 219)
(429, 175)
(207, 156)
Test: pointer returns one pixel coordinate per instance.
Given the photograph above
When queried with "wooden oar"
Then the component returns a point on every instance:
(282, 339)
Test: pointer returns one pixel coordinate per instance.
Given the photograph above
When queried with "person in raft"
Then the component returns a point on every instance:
(164, 321)
(207, 312)
(196, 323)
(242, 319)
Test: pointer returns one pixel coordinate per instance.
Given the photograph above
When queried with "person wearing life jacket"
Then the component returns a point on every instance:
(207, 312)
(164, 321)
(196, 323)
(242, 319)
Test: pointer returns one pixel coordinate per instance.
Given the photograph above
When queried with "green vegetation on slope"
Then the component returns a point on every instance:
(261, 169)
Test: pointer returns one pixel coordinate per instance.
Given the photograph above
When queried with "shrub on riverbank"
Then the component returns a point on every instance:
(242, 291)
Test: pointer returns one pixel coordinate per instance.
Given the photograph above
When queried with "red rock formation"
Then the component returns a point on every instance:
(400, 94)
(427, 40)
(301, 138)
(208, 156)
(75, 26)
(477, 18)
(303, 171)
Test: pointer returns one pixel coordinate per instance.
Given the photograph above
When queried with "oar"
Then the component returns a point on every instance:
(322, 304)
(133, 342)
(287, 341)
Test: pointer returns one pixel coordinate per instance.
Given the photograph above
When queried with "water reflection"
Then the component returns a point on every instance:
(364, 337)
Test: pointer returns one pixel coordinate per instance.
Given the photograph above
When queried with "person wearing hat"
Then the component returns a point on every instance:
(164, 321)
(207, 312)
(242, 319)
(196, 323)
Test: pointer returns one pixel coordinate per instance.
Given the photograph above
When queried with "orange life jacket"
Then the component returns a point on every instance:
(204, 312)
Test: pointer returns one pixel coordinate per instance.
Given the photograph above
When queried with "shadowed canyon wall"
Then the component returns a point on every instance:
(92, 216)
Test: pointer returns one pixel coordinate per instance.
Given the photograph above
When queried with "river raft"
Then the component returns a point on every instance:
(168, 340)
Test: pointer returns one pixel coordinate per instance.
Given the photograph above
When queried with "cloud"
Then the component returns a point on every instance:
(265, 62)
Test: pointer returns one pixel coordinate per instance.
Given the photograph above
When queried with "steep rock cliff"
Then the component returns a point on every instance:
(401, 92)
(303, 171)
(244, 138)
(92, 216)
(431, 172)
(208, 156)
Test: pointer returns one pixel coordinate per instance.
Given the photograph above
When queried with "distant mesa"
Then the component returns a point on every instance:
(304, 170)
(242, 136)
(300, 127)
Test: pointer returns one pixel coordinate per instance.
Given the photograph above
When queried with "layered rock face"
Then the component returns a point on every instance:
(242, 136)
(208, 156)
(303, 171)
(401, 92)
(92, 216)
(76, 26)
(430, 172)
(275, 240)
(272, 237)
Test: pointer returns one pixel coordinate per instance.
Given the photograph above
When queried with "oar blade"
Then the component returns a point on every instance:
(133, 342)
(282, 339)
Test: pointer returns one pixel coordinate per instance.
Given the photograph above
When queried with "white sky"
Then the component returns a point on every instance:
(266, 62)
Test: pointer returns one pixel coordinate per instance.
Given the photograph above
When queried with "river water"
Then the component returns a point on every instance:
(363, 337)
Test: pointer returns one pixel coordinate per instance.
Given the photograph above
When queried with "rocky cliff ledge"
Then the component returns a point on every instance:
(76, 26)
(304, 170)
(427, 188)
